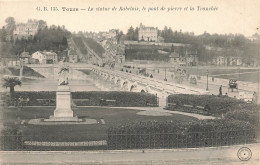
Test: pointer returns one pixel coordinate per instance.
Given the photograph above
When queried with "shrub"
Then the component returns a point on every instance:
(11, 138)
(123, 99)
(218, 105)
(171, 135)
(249, 115)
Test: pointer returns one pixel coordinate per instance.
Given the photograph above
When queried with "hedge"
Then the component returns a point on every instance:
(248, 115)
(122, 99)
(218, 105)
(11, 138)
(171, 134)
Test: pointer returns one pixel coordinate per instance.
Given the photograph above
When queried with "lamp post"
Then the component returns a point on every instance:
(238, 73)
(165, 79)
(207, 80)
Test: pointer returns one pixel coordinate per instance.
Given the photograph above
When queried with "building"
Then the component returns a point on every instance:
(234, 61)
(10, 60)
(25, 57)
(44, 57)
(174, 58)
(73, 56)
(25, 30)
(227, 61)
(191, 59)
(147, 33)
(112, 33)
(220, 60)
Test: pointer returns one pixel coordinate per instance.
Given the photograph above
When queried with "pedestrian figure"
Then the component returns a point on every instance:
(212, 79)
(220, 90)
(226, 95)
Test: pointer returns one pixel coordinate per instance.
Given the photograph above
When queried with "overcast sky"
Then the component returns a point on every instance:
(231, 16)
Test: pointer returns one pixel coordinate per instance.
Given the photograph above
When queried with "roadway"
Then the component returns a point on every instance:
(213, 87)
(208, 156)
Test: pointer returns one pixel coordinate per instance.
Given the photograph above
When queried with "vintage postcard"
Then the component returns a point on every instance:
(129, 82)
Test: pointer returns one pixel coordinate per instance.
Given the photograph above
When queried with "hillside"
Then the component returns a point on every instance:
(26, 72)
(96, 47)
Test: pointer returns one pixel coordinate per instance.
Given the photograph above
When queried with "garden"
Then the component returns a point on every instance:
(16, 133)
(236, 122)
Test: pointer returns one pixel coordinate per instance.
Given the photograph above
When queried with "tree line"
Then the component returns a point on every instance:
(47, 38)
(208, 45)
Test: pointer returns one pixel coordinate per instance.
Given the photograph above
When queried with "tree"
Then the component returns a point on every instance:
(3, 34)
(119, 35)
(130, 33)
(42, 24)
(11, 82)
(10, 25)
(136, 34)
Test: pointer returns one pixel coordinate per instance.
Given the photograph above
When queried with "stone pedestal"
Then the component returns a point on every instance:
(63, 102)
(63, 111)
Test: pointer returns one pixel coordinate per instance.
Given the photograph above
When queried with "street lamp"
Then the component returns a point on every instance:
(207, 80)
(165, 79)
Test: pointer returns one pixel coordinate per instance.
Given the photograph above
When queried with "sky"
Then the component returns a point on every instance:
(228, 16)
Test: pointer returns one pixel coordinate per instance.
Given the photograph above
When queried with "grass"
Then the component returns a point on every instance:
(26, 72)
(239, 74)
(111, 116)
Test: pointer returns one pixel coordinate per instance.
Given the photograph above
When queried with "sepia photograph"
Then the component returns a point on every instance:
(140, 82)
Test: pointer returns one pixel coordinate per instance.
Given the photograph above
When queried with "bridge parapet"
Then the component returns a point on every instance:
(157, 84)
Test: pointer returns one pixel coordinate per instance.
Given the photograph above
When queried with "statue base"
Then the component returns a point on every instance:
(62, 119)
(63, 111)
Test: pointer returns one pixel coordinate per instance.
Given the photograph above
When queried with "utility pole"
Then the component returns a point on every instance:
(21, 66)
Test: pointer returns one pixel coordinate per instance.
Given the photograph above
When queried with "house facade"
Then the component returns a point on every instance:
(44, 57)
(147, 33)
(227, 61)
(191, 59)
(174, 58)
(25, 30)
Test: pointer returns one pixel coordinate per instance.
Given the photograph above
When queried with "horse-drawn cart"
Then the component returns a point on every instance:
(232, 85)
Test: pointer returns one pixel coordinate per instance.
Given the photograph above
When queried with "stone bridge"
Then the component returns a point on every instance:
(138, 83)
(125, 81)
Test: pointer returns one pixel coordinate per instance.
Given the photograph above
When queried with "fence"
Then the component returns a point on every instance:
(122, 141)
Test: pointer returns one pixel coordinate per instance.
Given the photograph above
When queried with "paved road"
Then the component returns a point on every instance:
(160, 109)
(211, 155)
(212, 86)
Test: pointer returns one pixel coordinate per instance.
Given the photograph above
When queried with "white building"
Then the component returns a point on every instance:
(44, 57)
(147, 33)
(227, 61)
(235, 61)
(25, 30)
